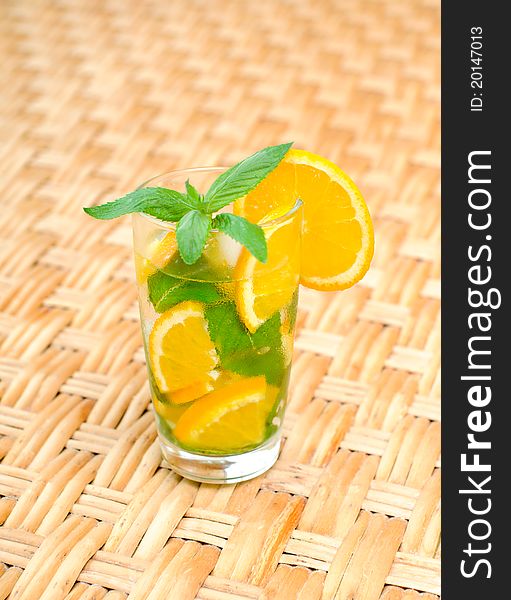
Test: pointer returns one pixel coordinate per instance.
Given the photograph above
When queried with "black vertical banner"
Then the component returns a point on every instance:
(476, 333)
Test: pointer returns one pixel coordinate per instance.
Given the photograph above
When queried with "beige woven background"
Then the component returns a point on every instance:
(98, 95)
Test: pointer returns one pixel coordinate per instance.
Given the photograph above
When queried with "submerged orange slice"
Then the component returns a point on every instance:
(181, 354)
(228, 419)
(338, 241)
(190, 392)
(158, 254)
(263, 289)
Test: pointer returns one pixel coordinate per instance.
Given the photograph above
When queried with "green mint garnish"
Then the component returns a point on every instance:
(164, 204)
(166, 291)
(191, 234)
(193, 194)
(193, 212)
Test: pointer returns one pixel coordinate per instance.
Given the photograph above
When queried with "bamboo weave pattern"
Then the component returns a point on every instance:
(97, 96)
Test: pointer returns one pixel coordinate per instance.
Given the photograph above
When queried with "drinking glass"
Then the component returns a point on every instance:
(218, 338)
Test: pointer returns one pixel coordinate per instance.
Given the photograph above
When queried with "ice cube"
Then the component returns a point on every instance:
(228, 250)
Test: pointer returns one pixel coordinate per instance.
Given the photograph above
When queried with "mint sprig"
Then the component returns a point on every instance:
(193, 212)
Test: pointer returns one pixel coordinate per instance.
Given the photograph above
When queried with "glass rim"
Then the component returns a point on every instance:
(172, 226)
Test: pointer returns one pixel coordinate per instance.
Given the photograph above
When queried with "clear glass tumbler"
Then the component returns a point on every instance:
(218, 338)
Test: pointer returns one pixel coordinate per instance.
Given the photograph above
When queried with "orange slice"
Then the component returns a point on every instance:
(190, 392)
(181, 354)
(338, 241)
(263, 289)
(171, 411)
(229, 419)
(158, 254)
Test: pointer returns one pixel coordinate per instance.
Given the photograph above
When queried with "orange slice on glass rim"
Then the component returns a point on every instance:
(338, 239)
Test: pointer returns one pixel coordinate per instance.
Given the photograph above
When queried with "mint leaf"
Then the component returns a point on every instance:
(191, 233)
(243, 177)
(193, 194)
(244, 232)
(164, 204)
(166, 291)
(242, 352)
(226, 331)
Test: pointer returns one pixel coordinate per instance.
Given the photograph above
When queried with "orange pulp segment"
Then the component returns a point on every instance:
(190, 392)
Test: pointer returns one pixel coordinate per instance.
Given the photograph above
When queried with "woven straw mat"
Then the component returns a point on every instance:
(97, 96)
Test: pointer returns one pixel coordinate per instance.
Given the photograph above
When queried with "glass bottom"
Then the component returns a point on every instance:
(231, 468)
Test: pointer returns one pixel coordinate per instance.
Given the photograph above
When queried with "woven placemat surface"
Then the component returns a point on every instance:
(97, 96)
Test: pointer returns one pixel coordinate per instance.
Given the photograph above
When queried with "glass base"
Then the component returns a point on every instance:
(231, 468)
